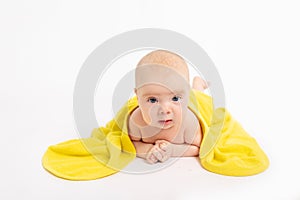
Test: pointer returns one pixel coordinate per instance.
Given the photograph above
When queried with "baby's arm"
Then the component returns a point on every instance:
(136, 138)
(177, 150)
(150, 152)
(185, 150)
(192, 138)
(142, 148)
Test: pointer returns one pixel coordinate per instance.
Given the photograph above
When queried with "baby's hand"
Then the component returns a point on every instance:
(154, 155)
(166, 147)
(161, 151)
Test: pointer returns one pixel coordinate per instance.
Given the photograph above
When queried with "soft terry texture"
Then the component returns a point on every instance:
(226, 147)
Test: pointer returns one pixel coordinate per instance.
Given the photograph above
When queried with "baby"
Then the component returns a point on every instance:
(163, 126)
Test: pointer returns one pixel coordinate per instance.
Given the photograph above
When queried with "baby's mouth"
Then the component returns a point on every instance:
(166, 121)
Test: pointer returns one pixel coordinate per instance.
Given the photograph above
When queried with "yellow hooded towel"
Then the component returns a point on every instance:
(226, 148)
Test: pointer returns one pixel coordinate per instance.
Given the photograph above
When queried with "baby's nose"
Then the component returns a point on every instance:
(165, 109)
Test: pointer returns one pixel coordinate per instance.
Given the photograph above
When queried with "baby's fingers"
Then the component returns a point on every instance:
(158, 154)
(151, 159)
(166, 157)
(163, 146)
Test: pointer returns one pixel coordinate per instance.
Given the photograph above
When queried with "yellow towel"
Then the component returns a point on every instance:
(226, 147)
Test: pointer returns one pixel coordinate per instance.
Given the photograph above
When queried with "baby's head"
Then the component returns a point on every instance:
(168, 59)
(162, 88)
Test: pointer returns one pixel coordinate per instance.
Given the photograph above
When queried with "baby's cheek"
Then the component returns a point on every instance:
(182, 111)
(153, 111)
(149, 114)
(146, 116)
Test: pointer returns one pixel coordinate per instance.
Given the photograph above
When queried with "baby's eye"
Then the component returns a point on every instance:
(152, 100)
(176, 98)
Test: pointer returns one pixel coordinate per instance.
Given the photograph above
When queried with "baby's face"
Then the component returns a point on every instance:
(161, 107)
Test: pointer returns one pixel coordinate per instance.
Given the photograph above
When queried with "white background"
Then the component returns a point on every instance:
(254, 45)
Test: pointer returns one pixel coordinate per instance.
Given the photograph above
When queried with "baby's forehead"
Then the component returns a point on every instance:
(161, 90)
(160, 75)
(154, 69)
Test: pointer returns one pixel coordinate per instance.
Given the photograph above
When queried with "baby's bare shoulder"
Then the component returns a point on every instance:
(192, 129)
(191, 120)
(136, 118)
(133, 125)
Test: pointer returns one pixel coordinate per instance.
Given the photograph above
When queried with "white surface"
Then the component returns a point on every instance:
(254, 44)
